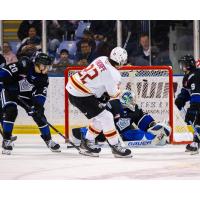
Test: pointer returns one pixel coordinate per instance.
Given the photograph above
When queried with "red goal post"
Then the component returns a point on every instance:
(153, 86)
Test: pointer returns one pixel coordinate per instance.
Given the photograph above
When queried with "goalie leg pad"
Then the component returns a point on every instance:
(144, 122)
(133, 135)
(161, 132)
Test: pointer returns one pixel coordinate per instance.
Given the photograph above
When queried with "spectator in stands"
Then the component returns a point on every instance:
(142, 56)
(85, 56)
(103, 49)
(31, 44)
(8, 54)
(62, 63)
(104, 30)
(58, 31)
(163, 56)
(87, 36)
(55, 34)
(70, 26)
(25, 26)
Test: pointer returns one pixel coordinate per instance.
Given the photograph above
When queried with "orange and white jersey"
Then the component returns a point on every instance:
(99, 77)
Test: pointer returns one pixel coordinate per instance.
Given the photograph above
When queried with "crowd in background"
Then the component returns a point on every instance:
(77, 43)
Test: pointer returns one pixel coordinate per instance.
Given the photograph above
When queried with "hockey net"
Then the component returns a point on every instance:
(153, 86)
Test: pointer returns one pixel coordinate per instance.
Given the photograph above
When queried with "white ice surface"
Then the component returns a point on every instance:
(31, 159)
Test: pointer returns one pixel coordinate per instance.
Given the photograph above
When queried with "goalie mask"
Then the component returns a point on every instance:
(128, 99)
(119, 55)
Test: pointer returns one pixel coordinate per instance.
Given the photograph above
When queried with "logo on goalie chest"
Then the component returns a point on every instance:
(123, 123)
(25, 86)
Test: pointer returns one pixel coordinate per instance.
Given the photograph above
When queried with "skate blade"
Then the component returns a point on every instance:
(6, 152)
(13, 138)
(119, 156)
(187, 151)
(194, 152)
(56, 151)
(86, 153)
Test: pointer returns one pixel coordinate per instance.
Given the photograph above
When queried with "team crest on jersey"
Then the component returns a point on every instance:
(123, 123)
(25, 86)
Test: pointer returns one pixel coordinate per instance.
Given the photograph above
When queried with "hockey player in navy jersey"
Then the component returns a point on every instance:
(28, 81)
(132, 123)
(190, 92)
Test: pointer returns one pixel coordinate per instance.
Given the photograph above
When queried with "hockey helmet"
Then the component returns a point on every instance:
(187, 62)
(119, 55)
(43, 58)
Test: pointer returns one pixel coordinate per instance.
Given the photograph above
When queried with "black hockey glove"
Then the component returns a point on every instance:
(36, 111)
(114, 106)
(104, 98)
(180, 103)
(31, 111)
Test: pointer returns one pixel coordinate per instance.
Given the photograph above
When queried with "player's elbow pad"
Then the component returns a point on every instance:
(180, 103)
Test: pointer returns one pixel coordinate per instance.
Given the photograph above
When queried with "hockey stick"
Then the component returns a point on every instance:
(45, 121)
(127, 39)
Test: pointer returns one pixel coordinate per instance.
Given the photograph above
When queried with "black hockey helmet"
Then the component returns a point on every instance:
(187, 62)
(43, 58)
(24, 64)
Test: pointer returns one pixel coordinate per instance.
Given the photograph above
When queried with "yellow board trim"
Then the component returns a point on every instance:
(33, 129)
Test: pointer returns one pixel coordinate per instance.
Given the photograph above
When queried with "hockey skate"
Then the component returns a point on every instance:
(75, 137)
(53, 146)
(7, 146)
(120, 152)
(13, 138)
(88, 148)
(193, 148)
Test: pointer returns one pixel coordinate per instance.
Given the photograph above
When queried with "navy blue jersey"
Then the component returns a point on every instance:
(27, 86)
(124, 117)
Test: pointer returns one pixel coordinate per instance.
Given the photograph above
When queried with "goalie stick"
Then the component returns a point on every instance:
(45, 121)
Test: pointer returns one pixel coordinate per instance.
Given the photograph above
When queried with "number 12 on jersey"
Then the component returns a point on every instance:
(90, 72)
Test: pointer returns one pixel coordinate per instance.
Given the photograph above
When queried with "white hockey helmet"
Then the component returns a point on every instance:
(119, 55)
